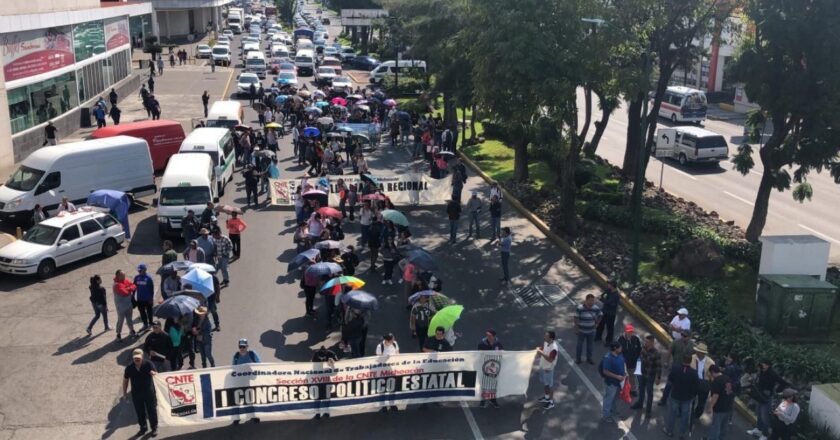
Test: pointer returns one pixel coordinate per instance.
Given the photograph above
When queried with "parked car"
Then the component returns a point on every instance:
(61, 240)
(203, 51)
(243, 83)
(364, 63)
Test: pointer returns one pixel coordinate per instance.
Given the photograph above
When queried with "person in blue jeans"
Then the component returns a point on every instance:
(495, 218)
(721, 401)
(204, 336)
(587, 316)
(453, 211)
(614, 371)
(504, 248)
(684, 384)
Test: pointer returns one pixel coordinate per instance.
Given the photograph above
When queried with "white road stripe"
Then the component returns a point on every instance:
(471, 421)
(739, 198)
(756, 173)
(827, 237)
(685, 174)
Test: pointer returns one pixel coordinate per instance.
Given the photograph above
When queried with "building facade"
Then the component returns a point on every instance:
(186, 19)
(58, 57)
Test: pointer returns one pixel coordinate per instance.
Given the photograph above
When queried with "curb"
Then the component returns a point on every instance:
(599, 278)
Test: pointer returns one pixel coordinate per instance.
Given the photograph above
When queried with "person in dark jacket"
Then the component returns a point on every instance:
(97, 300)
(769, 383)
(205, 101)
(489, 343)
(375, 234)
(631, 349)
(115, 113)
(158, 346)
(610, 300)
(145, 295)
(453, 211)
(683, 380)
(113, 97)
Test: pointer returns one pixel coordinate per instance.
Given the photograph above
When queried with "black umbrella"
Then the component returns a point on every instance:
(360, 300)
(177, 306)
(316, 194)
(421, 258)
(319, 270)
(307, 256)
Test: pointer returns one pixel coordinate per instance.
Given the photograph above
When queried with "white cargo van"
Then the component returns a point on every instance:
(227, 114)
(218, 144)
(255, 63)
(305, 62)
(74, 170)
(389, 68)
(690, 144)
(187, 184)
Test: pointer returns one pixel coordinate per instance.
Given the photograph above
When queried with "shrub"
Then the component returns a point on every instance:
(493, 130)
(407, 85)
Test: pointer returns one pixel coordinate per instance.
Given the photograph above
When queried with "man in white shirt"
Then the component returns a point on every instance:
(66, 206)
(388, 346)
(680, 323)
(547, 355)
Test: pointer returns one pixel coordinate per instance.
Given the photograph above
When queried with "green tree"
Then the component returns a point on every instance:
(790, 70)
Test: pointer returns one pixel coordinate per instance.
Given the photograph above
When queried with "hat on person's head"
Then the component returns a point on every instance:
(203, 231)
(682, 311)
(201, 310)
(628, 328)
(137, 353)
(155, 323)
(701, 348)
(787, 393)
(141, 267)
(243, 342)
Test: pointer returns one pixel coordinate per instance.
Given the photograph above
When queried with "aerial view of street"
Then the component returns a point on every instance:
(419, 219)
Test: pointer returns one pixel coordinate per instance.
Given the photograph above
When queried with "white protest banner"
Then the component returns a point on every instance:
(301, 390)
(408, 189)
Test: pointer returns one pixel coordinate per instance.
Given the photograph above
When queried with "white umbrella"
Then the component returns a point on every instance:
(200, 280)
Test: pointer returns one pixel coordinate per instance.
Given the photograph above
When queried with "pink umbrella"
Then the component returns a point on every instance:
(339, 101)
(390, 102)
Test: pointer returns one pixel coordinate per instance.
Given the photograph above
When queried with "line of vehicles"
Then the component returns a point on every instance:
(196, 169)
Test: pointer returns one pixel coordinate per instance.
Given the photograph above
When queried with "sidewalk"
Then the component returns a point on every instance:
(716, 113)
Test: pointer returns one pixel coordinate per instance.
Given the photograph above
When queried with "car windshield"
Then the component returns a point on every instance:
(341, 79)
(184, 195)
(326, 71)
(255, 61)
(220, 51)
(42, 234)
(305, 60)
(711, 142)
(24, 179)
(249, 79)
(286, 75)
(204, 47)
(287, 66)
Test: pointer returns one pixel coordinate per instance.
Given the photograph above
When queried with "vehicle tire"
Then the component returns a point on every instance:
(46, 269)
(109, 248)
(683, 159)
(673, 118)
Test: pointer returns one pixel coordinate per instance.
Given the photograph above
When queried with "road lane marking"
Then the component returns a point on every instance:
(471, 421)
(685, 174)
(739, 198)
(756, 173)
(815, 232)
(227, 86)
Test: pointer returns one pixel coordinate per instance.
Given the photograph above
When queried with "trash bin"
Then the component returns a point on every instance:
(84, 113)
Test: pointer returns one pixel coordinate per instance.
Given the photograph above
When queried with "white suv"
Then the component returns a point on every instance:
(61, 240)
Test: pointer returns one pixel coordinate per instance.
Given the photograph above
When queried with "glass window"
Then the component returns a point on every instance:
(24, 179)
(184, 195)
(107, 221)
(90, 227)
(39, 102)
(107, 72)
(88, 39)
(40, 234)
(70, 233)
(52, 181)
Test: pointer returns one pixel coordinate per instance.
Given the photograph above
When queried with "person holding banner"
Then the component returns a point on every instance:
(140, 374)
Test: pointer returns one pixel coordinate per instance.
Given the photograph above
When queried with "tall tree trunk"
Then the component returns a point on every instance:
(520, 160)
(354, 36)
(631, 148)
(473, 135)
(464, 125)
(765, 187)
(568, 187)
(590, 148)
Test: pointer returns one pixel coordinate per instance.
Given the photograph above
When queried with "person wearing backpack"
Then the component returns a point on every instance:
(244, 355)
(419, 318)
(388, 346)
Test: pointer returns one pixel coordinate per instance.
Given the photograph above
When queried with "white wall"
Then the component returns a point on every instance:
(17, 7)
(7, 153)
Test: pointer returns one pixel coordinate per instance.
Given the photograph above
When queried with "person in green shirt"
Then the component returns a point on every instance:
(679, 348)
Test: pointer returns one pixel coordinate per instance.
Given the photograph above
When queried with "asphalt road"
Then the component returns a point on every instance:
(722, 189)
(58, 383)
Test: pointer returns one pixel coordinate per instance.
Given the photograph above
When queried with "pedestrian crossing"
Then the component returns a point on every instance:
(541, 295)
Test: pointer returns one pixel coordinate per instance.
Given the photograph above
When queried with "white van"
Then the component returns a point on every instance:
(187, 184)
(683, 104)
(255, 63)
(690, 145)
(74, 170)
(218, 144)
(388, 69)
(305, 62)
(304, 44)
(226, 114)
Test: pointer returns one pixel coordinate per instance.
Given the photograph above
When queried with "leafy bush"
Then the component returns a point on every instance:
(611, 198)
(494, 130)
(407, 85)
(414, 105)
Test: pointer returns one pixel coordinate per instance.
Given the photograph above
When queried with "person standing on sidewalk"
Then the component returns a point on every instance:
(651, 374)
(587, 317)
(113, 97)
(205, 101)
(123, 293)
(99, 303)
(609, 302)
(489, 343)
(140, 374)
(683, 380)
(453, 211)
(495, 218)
(631, 349)
(702, 363)
(769, 382)
(235, 227)
(145, 296)
(224, 247)
(171, 59)
(679, 348)
(505, 243)
(474, 208)
(160, 65)
(614, 371)
(547, 354)
(721, 403)
(784, 416)
(680, 323)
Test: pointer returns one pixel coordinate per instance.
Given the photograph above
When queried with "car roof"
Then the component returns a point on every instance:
(696, 131)
(248, 74)
(65, 218)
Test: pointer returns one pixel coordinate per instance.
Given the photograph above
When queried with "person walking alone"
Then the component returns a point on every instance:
(123, 293)
(145, 296)
(205, 101)
(140, 374)
(235, 227)
(99, 303)
(495, 218)
(160, 65)
(587, 316)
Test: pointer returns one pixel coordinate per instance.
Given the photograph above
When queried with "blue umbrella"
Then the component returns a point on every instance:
(117, 202)
(370, 178)
(404, 116)
(361, 300)
(421, 258)
(281, 99)
(317, 271)
(320, 104)
(311, 132)
(176, 307)
(416, 297)
(313, 110)
(307, 256)
(200, 281)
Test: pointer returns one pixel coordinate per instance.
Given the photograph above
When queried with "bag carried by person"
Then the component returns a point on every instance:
(625, 391)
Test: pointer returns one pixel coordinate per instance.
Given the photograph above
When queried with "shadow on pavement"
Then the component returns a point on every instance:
(120, 416)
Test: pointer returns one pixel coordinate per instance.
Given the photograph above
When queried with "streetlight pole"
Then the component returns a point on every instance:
(640, 178)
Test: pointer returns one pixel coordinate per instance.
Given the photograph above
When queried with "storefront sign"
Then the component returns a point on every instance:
(37, 51)
(116, 33)
(401, 190)
(301, 390)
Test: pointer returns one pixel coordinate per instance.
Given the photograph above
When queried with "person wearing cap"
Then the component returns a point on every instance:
(123, 296)
(158, 346)
(680, 323)
(651, 374)
(631, 349)
(614, 371)
(144, 296)
(784, 416)
(224, 247)
(244, 355)
(683, 380)
(474, 209)
(679, 349)
(207, 245)
(489, 343)
(702, 363)
(609, 308)
(547, 355)
(203, 333)
(140, 374)
(721, 402)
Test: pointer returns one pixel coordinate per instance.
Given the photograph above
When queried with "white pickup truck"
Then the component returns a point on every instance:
(690, 145)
